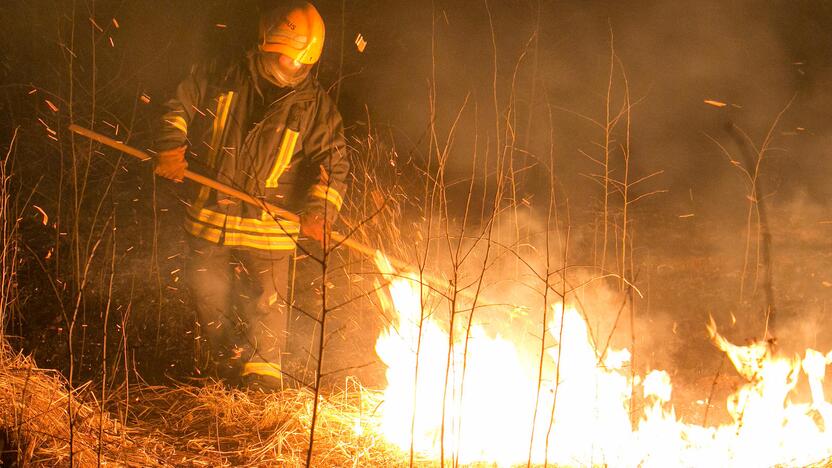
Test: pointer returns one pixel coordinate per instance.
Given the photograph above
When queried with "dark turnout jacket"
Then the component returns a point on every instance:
(285, 146)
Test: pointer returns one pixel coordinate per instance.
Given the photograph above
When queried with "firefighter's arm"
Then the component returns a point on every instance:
(172, 132)
(326, 149)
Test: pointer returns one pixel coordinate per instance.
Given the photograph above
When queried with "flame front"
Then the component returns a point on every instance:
(498, 411)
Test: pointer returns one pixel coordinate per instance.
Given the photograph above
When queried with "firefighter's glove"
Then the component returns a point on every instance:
(171, 164)
(315, 226)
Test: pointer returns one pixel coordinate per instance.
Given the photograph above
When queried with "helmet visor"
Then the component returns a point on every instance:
(282, 69)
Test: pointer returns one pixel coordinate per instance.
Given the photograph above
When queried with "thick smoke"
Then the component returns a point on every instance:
(761, 65)
(533, 77)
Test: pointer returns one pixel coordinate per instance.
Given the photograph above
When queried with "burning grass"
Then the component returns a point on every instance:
(184, 425)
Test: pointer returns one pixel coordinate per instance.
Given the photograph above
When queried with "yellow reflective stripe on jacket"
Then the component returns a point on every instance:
(239, 239)
(329, 194)
(220, 120)
(262, 368)
(284, 156)
(177, 121)
(223, 105)
(268, 234)
(259, 226)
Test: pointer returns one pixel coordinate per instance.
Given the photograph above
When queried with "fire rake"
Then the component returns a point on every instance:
(338, 239)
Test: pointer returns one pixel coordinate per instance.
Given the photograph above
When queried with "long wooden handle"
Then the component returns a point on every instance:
(198, 178)
(436, 282)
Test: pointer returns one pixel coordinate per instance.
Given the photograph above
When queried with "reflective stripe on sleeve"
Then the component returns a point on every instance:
(177, 121)
(329, 194)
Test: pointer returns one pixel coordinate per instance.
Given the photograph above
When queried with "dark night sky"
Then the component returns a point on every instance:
(755, 56)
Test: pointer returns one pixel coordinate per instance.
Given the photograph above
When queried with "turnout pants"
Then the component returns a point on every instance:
(241, 300)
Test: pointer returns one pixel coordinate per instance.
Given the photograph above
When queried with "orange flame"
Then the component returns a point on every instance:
(493, 412)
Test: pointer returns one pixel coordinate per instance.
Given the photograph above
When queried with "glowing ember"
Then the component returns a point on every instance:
(489, 409)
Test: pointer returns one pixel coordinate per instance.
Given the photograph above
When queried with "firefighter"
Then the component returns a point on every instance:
(266, 126)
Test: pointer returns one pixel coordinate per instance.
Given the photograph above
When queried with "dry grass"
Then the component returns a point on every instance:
(185, 425)
(237, 428)
(34, 406)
